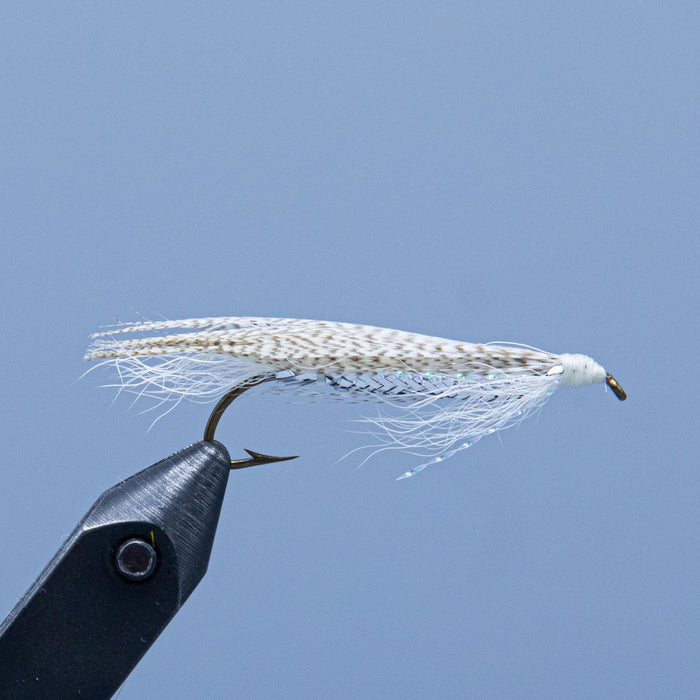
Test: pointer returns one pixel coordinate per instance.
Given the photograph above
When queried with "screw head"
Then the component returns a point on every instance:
(135, 559)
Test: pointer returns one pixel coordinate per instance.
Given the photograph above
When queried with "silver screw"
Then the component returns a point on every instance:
(136, 559)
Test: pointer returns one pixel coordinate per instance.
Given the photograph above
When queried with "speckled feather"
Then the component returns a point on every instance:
(299, 344)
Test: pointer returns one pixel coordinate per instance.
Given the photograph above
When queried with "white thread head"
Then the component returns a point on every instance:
(580, 370)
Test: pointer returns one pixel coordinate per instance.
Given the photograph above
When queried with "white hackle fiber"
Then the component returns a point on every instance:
(445, 394)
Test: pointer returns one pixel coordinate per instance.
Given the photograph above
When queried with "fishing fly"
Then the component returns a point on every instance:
(436, 396)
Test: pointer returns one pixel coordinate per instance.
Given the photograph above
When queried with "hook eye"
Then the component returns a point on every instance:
(616, 388)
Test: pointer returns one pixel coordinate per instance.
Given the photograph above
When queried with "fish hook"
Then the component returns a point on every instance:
(225, 401)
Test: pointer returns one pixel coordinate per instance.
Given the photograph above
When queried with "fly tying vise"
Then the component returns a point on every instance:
(445, 394)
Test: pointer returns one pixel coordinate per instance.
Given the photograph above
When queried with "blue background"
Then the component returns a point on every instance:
(479, 171)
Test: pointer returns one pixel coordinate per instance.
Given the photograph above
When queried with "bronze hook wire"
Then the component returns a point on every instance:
(616, 388)
(223, 403)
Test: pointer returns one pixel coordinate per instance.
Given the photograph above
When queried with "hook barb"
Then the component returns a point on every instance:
(257, 458)
(225, 401)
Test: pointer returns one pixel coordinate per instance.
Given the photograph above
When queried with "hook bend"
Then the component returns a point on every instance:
(226, 400)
